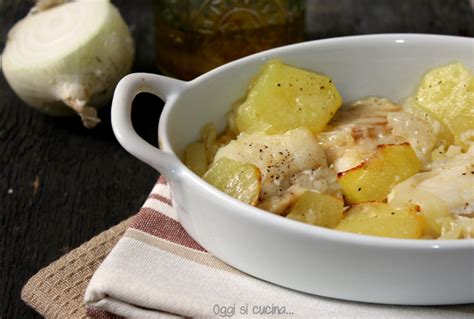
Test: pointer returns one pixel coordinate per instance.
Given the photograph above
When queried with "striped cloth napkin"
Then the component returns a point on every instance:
(157, 270)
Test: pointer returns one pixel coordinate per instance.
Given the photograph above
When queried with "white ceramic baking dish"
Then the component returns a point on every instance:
(286, 252)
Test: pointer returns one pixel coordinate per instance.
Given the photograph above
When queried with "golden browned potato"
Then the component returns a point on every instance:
(380, 219)
(195, 158)
(283, 98)
(317, 209)
(373, 179)
(447, 93)
(240, 180)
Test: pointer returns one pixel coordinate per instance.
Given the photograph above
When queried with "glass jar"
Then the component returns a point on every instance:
(195, 36)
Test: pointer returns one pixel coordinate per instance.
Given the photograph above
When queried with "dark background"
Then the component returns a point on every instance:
(86, 183)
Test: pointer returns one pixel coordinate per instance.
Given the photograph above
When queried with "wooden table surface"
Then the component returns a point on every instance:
(60, 184)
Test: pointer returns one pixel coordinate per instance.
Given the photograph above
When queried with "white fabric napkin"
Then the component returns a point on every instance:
(158, 271)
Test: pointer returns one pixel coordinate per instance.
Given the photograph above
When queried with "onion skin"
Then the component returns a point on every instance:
(81, 76)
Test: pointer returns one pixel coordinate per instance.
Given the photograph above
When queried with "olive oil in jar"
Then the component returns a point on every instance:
(193, 37)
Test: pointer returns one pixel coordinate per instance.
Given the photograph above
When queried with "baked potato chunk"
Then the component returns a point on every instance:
(240, 180)
(317, 209)
(433, 208)
(373, 179)
(195, 158)
(380, 219)
(198, 155)
(447, 94)
(283, 98)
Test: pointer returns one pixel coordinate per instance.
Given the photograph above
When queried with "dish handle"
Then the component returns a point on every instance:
(126, 90)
